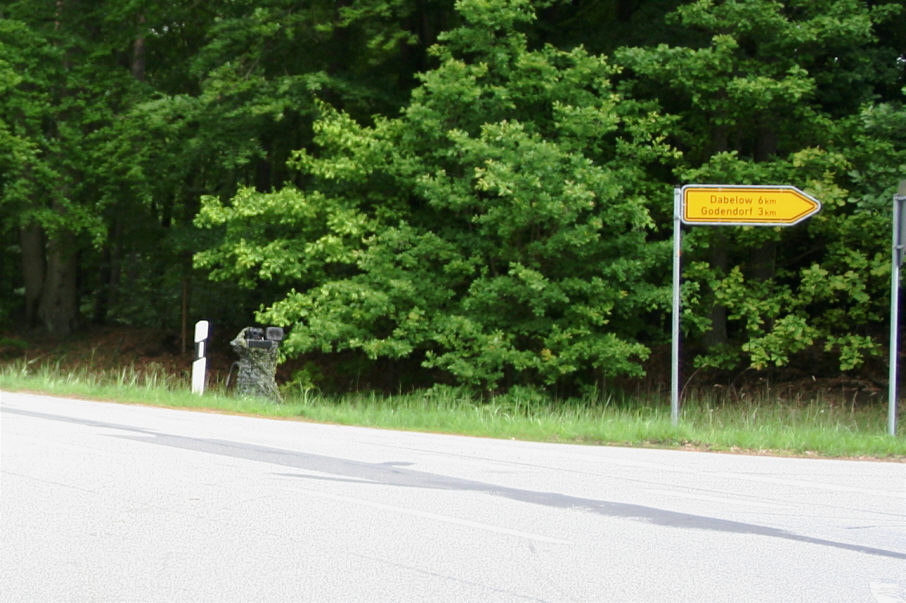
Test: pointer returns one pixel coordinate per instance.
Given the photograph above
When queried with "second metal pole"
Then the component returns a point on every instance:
(896, 258)
(674, 348)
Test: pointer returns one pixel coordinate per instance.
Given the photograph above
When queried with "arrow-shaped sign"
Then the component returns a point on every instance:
(720, 204)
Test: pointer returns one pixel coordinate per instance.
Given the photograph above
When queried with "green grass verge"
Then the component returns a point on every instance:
(811, 428)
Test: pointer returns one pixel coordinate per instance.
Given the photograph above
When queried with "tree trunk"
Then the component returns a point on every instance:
(139, 53)
(625, 8)
(107, 295)
(57, 302)
(717, 334)
(31, 240)
(58, 307)
(764, 261)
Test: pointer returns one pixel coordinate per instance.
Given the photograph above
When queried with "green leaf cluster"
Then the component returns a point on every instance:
(493, 230)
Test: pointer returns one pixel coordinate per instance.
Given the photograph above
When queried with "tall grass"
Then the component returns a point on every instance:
(812, 427)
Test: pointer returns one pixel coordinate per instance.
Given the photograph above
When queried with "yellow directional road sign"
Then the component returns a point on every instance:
(719, 204)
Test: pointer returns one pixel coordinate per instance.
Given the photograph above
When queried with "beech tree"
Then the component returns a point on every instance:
(496, 230)
(52, 107)
(118, 116)
(776, 93)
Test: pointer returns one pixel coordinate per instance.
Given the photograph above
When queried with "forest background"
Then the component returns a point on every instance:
(476, 193)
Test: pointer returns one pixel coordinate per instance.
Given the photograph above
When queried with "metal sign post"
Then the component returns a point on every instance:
(897, 252)
(674, 342)
(199, 366)
(727, 205)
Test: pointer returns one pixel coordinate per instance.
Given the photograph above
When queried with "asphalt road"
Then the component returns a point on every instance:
(110, 502)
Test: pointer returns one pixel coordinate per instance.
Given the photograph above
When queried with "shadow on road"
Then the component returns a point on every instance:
(395, 474)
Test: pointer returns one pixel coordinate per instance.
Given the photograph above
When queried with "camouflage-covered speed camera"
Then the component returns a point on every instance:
(257, 350)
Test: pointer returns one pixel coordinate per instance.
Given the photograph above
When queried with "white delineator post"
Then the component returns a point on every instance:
(199, 365)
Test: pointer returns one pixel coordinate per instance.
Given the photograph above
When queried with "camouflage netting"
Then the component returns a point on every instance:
(257, 367)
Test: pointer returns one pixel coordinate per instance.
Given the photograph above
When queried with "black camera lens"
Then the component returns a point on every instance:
(254, 334)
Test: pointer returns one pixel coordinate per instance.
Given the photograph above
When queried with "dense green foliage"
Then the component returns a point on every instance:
(495, 230)
(776, 92)
(477, 192)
